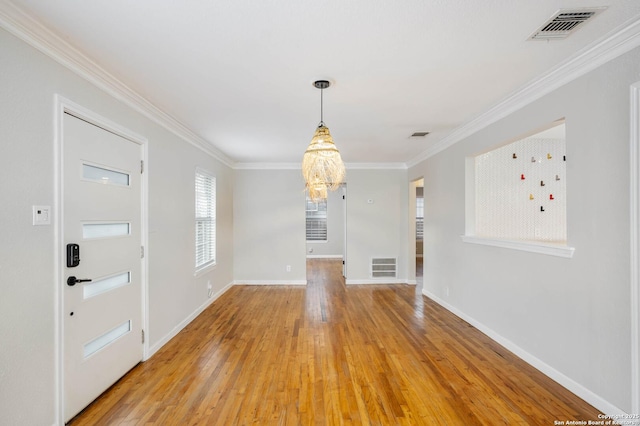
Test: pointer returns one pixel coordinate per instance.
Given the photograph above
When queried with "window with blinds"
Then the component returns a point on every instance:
(316, 220)
(205, 219)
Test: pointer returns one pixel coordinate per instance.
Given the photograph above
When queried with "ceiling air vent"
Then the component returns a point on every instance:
(419, 134)
(564, 22)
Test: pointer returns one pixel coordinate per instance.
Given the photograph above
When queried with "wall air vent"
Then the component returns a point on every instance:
(383, 267)
(564, 22)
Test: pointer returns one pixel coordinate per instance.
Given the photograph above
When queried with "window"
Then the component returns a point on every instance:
(419, 218)
(516, 195)
(205, 219)
(316, 220)
(520, 191)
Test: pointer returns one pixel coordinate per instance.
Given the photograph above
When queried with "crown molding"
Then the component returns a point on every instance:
(267, 166)
(615, 43)
(376, 166)
(297, 166)
(32, 32)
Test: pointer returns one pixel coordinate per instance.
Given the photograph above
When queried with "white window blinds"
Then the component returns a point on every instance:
(205, 219)
(316, 220)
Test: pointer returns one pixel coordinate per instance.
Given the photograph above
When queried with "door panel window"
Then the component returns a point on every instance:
(104, 176)
(105, 230)
(103, 285)
(107, 338)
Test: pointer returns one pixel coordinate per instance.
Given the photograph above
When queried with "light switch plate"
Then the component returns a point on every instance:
(42, 215)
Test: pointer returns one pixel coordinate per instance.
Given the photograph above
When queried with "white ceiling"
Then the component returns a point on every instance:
(239, 73)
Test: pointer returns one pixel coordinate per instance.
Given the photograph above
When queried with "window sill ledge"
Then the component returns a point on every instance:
(530, 246)
(204, 269)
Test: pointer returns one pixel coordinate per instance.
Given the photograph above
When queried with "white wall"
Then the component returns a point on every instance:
(269, 224)
(29, 81)
(379, 228)
(334, 246)
(269, 227)
(175, 293)
(572, 316)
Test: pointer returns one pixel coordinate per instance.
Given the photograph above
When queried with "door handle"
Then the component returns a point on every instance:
(73, 280)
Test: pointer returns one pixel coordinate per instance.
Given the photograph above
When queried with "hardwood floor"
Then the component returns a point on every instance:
(329, 354)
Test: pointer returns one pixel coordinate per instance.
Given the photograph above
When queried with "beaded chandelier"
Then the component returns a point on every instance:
(322, 166)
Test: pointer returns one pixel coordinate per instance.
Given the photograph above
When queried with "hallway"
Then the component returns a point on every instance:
(331, 354)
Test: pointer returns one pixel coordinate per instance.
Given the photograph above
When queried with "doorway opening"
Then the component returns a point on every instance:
(416, 229)
(326, 227)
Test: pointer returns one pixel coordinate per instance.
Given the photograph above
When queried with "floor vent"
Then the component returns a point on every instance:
(383, 267)
(563, 23)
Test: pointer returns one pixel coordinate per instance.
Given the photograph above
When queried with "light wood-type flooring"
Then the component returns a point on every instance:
(328, 354)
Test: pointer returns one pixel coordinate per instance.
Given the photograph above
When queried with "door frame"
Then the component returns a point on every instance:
(412, 274)
(62, 106)
(343, 186)
(634, 202)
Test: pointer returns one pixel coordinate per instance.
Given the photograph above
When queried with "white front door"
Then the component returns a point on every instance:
(102, 204)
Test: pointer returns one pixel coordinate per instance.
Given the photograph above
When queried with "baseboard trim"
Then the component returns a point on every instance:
(270, 282)
(324, 256)
(573, 386)
(178, 328)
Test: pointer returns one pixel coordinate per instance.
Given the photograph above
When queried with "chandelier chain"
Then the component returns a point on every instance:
(321, 107)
